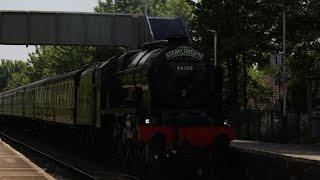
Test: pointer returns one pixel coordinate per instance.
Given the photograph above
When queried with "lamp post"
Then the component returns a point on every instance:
(284, 107)
(284, 115)
(283, 75)
(145, 7)
(284, 57)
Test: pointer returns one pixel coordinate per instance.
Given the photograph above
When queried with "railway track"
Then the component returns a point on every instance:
(72, 172)
(88, 172)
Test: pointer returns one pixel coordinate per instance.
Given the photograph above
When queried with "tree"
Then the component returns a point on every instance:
(51, 60)
(168, 8)
(120, 6)
(13, 74)
(240, 26)
(17, 79)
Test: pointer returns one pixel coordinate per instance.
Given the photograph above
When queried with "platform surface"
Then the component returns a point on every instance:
(297, 152)
(13, 166)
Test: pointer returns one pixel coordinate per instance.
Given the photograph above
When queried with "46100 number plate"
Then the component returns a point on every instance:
(185, 68)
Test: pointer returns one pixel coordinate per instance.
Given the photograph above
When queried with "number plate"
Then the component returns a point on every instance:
(185, 68)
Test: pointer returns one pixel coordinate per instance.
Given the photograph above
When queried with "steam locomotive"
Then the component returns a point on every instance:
(155, 102)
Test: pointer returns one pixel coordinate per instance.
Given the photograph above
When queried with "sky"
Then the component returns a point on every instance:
(21, 52)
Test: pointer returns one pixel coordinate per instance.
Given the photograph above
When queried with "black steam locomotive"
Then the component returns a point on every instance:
(153, 101)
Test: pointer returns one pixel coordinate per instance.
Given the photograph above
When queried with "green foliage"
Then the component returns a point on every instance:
(303, 62)
(120, 6)
(240, 26)
(249, 31)
(17, 79)
(258, 88)
(13, 74)
(169, 8)
(257, 79)
(51, 60)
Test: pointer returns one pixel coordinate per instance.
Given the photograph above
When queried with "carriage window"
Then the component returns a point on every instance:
(57, 97)
(25, 98)
(52, 95)
(60, 89)
(49, 96)
(55, 91)
(64, 95)
(71, 94)
(67, 95)
(44, 97)
(61, 95)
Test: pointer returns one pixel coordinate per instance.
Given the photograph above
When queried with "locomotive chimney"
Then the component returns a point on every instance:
(177, 39)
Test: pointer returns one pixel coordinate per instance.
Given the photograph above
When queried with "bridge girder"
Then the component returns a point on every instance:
(69, 28)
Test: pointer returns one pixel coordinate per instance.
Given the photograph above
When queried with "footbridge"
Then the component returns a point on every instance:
(86, 29)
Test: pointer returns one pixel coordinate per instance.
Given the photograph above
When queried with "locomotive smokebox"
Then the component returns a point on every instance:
(158, 138)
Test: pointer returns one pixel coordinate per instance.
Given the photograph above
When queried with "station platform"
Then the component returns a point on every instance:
(294, 152)
(13, 165)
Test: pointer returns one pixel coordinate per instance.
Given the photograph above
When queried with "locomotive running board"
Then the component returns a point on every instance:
(118, 111)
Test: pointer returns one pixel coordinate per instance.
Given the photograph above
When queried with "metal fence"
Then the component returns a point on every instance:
(267, 125)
